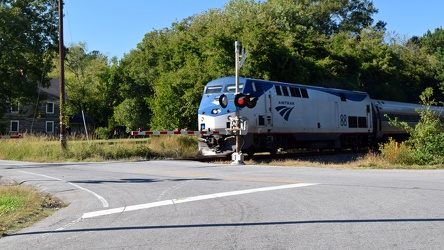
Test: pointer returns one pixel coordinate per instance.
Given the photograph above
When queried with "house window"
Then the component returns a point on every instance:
(50, 108)
(14, 126)
(49, 127)
(15, 107)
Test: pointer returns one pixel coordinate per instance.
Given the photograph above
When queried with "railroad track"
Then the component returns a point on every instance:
(342, 156)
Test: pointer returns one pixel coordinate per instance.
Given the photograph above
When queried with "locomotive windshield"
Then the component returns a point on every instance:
(229, 88)
(213, 89)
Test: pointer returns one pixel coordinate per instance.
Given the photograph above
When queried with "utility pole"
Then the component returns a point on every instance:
(237, 45)
(62, 76)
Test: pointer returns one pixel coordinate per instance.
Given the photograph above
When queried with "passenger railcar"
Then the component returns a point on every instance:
(292, 116)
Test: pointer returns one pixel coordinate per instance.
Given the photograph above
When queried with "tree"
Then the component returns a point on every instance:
(85, 76)
(433, 44)
(287, 41)
(131, 114)
(111, 89)
(433, 41)
(333, 16)
(28, 38)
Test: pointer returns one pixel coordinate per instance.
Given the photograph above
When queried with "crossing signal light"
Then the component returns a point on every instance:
(243, 100)
(240, 101)
(251, 101)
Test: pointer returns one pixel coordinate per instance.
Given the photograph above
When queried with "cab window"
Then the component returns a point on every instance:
(213, 89)
(232, 88)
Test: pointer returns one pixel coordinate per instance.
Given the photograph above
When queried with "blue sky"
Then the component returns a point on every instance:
(114, 27)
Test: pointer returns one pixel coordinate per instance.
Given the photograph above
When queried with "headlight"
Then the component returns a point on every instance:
(215, 111)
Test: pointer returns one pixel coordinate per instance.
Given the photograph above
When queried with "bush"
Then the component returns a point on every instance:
(398, 153)
(426, 142)
(102, 133)
(431, 151)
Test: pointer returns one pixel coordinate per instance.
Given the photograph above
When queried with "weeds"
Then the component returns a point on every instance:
(397, 153)
(21, 206)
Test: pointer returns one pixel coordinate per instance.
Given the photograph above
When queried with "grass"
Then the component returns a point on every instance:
(22, 206)
(45, 149)
(367, 161)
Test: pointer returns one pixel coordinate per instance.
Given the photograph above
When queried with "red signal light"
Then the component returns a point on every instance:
(251, 102)
(239, 100)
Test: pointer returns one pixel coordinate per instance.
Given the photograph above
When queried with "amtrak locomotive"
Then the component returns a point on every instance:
(292, 116)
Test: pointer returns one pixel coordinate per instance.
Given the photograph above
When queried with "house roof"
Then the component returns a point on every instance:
(53, 90)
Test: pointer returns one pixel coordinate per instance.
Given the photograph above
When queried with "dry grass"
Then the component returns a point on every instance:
(21, 206)
(365, 161)
(177, 146)
(46, 149)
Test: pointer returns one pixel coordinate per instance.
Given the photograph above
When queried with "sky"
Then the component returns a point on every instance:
(115, 27)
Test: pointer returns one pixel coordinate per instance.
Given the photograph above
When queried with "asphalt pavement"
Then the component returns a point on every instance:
(194, 205)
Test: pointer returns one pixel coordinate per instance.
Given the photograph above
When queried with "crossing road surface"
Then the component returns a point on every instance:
(193, 205)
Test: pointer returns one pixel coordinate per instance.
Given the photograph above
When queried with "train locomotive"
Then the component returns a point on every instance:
(293, 116)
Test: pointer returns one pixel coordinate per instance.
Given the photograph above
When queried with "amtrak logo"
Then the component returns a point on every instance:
(284, 111)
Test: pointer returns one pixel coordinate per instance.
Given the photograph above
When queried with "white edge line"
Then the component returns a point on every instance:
(190, 199)
(104, 202)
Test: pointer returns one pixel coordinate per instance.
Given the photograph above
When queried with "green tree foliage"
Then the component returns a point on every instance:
(316, 42)
(93, 84)
(333, 16)
(131, 113)
(83, 72)
(28, 38)
(284, 41)
(433, 44)
(111, 89)
(433, 41)
(396, 71)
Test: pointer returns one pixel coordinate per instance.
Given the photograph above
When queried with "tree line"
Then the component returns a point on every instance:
(159, 84)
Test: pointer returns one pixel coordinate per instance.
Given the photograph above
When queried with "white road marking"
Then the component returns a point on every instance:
(189, 199)
(104, 202)
(68, 225)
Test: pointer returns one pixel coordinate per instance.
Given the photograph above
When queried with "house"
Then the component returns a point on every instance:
(45, 118)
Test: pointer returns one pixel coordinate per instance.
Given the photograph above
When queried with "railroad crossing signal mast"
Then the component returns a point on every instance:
(238, 157)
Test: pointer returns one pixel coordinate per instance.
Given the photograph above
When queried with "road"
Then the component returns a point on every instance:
(193, 205)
